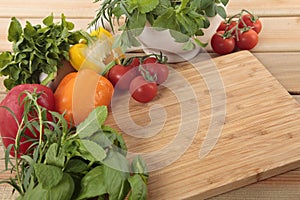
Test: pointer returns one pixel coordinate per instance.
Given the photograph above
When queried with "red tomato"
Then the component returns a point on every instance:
(221, 44)
(142, 90)
(252, 22)
(134, 63)
(121, 76)
(150, 60)
(247, 40)
(224, 26)
(8, 125)
(161, 71)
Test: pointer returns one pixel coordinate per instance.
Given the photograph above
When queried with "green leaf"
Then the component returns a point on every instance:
(5, 58)
(14, 30)
(224, 2)
(48, 21)
(76, 166)
(48, 175)
(211, 10)
(143, 6)
(137, 23)
(162, 7)
(63, 190)
(221, 11)
(138, 166)
(93, 122)
(117, 161)
(204, 4)
(138, 188)
(94, 149)
(93, 184)
(167, 20)
(115, 183)
(189, 45)
(54, 156)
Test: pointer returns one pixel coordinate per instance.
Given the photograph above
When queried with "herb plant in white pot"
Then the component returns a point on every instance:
(177, 28)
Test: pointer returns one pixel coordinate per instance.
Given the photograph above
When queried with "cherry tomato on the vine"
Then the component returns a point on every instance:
(161, 71)
(247, 40)
(150, 60)
(142, 90)
(251, 21)
(224, 26)
(222, 44)
(121, 76)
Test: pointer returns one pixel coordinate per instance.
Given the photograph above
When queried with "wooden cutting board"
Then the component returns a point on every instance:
(236, 104)
(216, 125)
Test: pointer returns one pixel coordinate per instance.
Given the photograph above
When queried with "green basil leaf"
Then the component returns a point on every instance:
(93, 122)
(116, 183)
(211, 10)
(189, 45)
(138, 166)
(94, 149)
(5, 58)
(93, 184)
(54, 156)
(76, 166)
(63, 190)
(221, 11)
(48, 175)
(204, 4)
(224, 2)
(138, 188)
(14, 30)
(117, 161)
(137, 23)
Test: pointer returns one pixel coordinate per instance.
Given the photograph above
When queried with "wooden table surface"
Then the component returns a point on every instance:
(278, 50)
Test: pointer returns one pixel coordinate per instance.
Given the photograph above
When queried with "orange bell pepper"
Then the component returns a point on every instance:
(80, 92)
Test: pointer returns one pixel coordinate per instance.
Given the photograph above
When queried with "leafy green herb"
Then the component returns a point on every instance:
(88, 161)
(36, 49)
(184, 18)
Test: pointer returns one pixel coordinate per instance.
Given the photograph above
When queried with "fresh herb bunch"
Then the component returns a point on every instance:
(85, 162)
(36, 49)
(184, 18)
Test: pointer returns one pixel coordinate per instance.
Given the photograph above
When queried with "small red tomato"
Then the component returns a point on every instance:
(247, 40)
(142, 90)
(224, 26)
(251, 21)
(150, 60)
(120, 76)
(222, 44)
(134, 63)
(161, 71)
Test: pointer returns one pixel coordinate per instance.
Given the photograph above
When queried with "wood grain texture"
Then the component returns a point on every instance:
(259, 138)
(266, 8)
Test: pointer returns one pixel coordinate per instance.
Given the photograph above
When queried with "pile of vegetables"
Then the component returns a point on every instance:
(237, 32)
(57, 145)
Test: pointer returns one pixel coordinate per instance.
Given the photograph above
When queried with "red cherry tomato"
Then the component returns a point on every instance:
(150, 60)
(134, 63)
(221, 44)
(121, 76)
(247, 40)
(142, 90)
(161, 71)
(251, 22)
(224, 26)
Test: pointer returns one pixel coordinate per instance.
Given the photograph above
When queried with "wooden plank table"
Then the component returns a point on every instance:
(278, 50)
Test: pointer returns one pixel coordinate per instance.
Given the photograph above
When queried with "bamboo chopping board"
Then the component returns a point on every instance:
(216, 125)
(236, 104)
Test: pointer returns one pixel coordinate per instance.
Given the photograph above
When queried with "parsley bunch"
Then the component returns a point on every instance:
(36, 49)
(184, 18)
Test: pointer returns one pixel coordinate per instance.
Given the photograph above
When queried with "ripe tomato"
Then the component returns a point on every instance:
(251, 21)
(142, 90)
(121, 76)
(150, 60)
(80, 92)
(224, 26)
(8, 125)
(247, 40)
(159, 70)
(221, 44)
(134, 63)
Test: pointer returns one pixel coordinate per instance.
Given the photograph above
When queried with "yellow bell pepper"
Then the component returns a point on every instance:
(96, 54)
